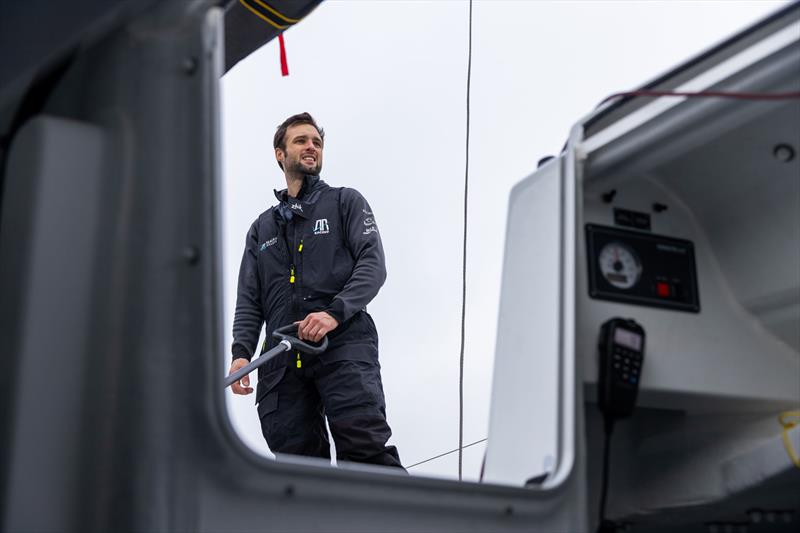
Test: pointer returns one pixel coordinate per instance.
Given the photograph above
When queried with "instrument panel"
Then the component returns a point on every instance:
(641, 269)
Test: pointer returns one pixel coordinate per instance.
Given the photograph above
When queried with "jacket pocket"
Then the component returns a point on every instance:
(268, 404)
(267, 383)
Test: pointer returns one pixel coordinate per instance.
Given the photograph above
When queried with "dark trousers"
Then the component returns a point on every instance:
(349, 393)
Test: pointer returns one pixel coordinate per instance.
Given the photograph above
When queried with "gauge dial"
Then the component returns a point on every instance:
(619, 265)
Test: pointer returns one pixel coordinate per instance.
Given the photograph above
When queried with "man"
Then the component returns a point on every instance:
(315, 259)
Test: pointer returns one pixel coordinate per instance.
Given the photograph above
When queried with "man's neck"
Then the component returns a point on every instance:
(293, 184)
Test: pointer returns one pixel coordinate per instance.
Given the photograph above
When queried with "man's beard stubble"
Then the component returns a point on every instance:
(297, 168)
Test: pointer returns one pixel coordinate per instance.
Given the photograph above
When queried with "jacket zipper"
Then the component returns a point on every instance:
(293, 280)
(300, 260)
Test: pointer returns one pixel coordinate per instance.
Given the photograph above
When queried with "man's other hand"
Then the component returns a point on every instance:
(243, 385)
(315, 326)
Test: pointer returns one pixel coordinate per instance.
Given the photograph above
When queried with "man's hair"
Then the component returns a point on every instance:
(279, 141)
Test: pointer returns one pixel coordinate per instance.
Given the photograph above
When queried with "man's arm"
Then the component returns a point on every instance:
(248, 317)
(369, 272)
(365, 244)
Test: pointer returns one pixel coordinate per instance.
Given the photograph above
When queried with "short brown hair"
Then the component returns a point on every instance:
(279, 141)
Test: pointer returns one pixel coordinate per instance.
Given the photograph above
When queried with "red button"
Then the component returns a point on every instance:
(662, 289)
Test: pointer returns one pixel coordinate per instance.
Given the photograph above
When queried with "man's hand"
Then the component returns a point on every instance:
(243, 385)
(315, 326)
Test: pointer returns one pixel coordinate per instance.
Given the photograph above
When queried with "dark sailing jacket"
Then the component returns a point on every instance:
(320, 251)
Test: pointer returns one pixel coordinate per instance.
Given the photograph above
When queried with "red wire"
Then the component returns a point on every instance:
(709, 94)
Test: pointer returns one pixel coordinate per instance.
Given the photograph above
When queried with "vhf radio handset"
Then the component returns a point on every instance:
(621, 347)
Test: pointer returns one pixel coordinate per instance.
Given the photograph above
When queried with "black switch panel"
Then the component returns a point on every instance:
(632, 219)
(641, 269)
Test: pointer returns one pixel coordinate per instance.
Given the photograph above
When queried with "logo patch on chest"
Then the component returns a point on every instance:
(321, 227)
(267, 244)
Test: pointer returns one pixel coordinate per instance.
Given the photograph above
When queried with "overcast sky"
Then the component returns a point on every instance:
(387, 82)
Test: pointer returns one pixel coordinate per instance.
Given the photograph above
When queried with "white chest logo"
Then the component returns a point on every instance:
(267, 244)
(297, 206)
(321, 227)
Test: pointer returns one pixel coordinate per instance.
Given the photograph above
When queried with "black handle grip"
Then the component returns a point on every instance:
(282, 333)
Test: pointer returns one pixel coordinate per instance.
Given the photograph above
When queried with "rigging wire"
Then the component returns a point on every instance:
(464, 264)
(448, 453)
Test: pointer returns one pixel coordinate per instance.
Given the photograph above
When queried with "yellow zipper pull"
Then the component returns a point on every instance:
(300, 248)
(299, 362)
(291, 275)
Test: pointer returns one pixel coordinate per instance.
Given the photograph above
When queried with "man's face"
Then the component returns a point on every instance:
(303, 154)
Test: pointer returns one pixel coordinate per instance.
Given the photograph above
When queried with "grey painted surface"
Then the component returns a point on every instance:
(525, 390)
(537, 411)
(65, 159)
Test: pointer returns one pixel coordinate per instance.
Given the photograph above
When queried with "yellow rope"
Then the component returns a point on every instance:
(261, 16)
(276, 12)
(789, 420)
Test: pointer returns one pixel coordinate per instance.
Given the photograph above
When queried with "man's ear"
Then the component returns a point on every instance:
(279, 155)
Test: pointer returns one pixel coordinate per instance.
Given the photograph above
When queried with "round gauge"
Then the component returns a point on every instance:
(619, 265)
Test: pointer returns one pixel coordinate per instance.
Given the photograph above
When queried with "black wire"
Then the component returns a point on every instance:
(448, 453)
(464, 265)
(608, 426)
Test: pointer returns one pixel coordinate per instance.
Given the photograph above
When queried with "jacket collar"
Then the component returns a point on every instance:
(306, 198)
